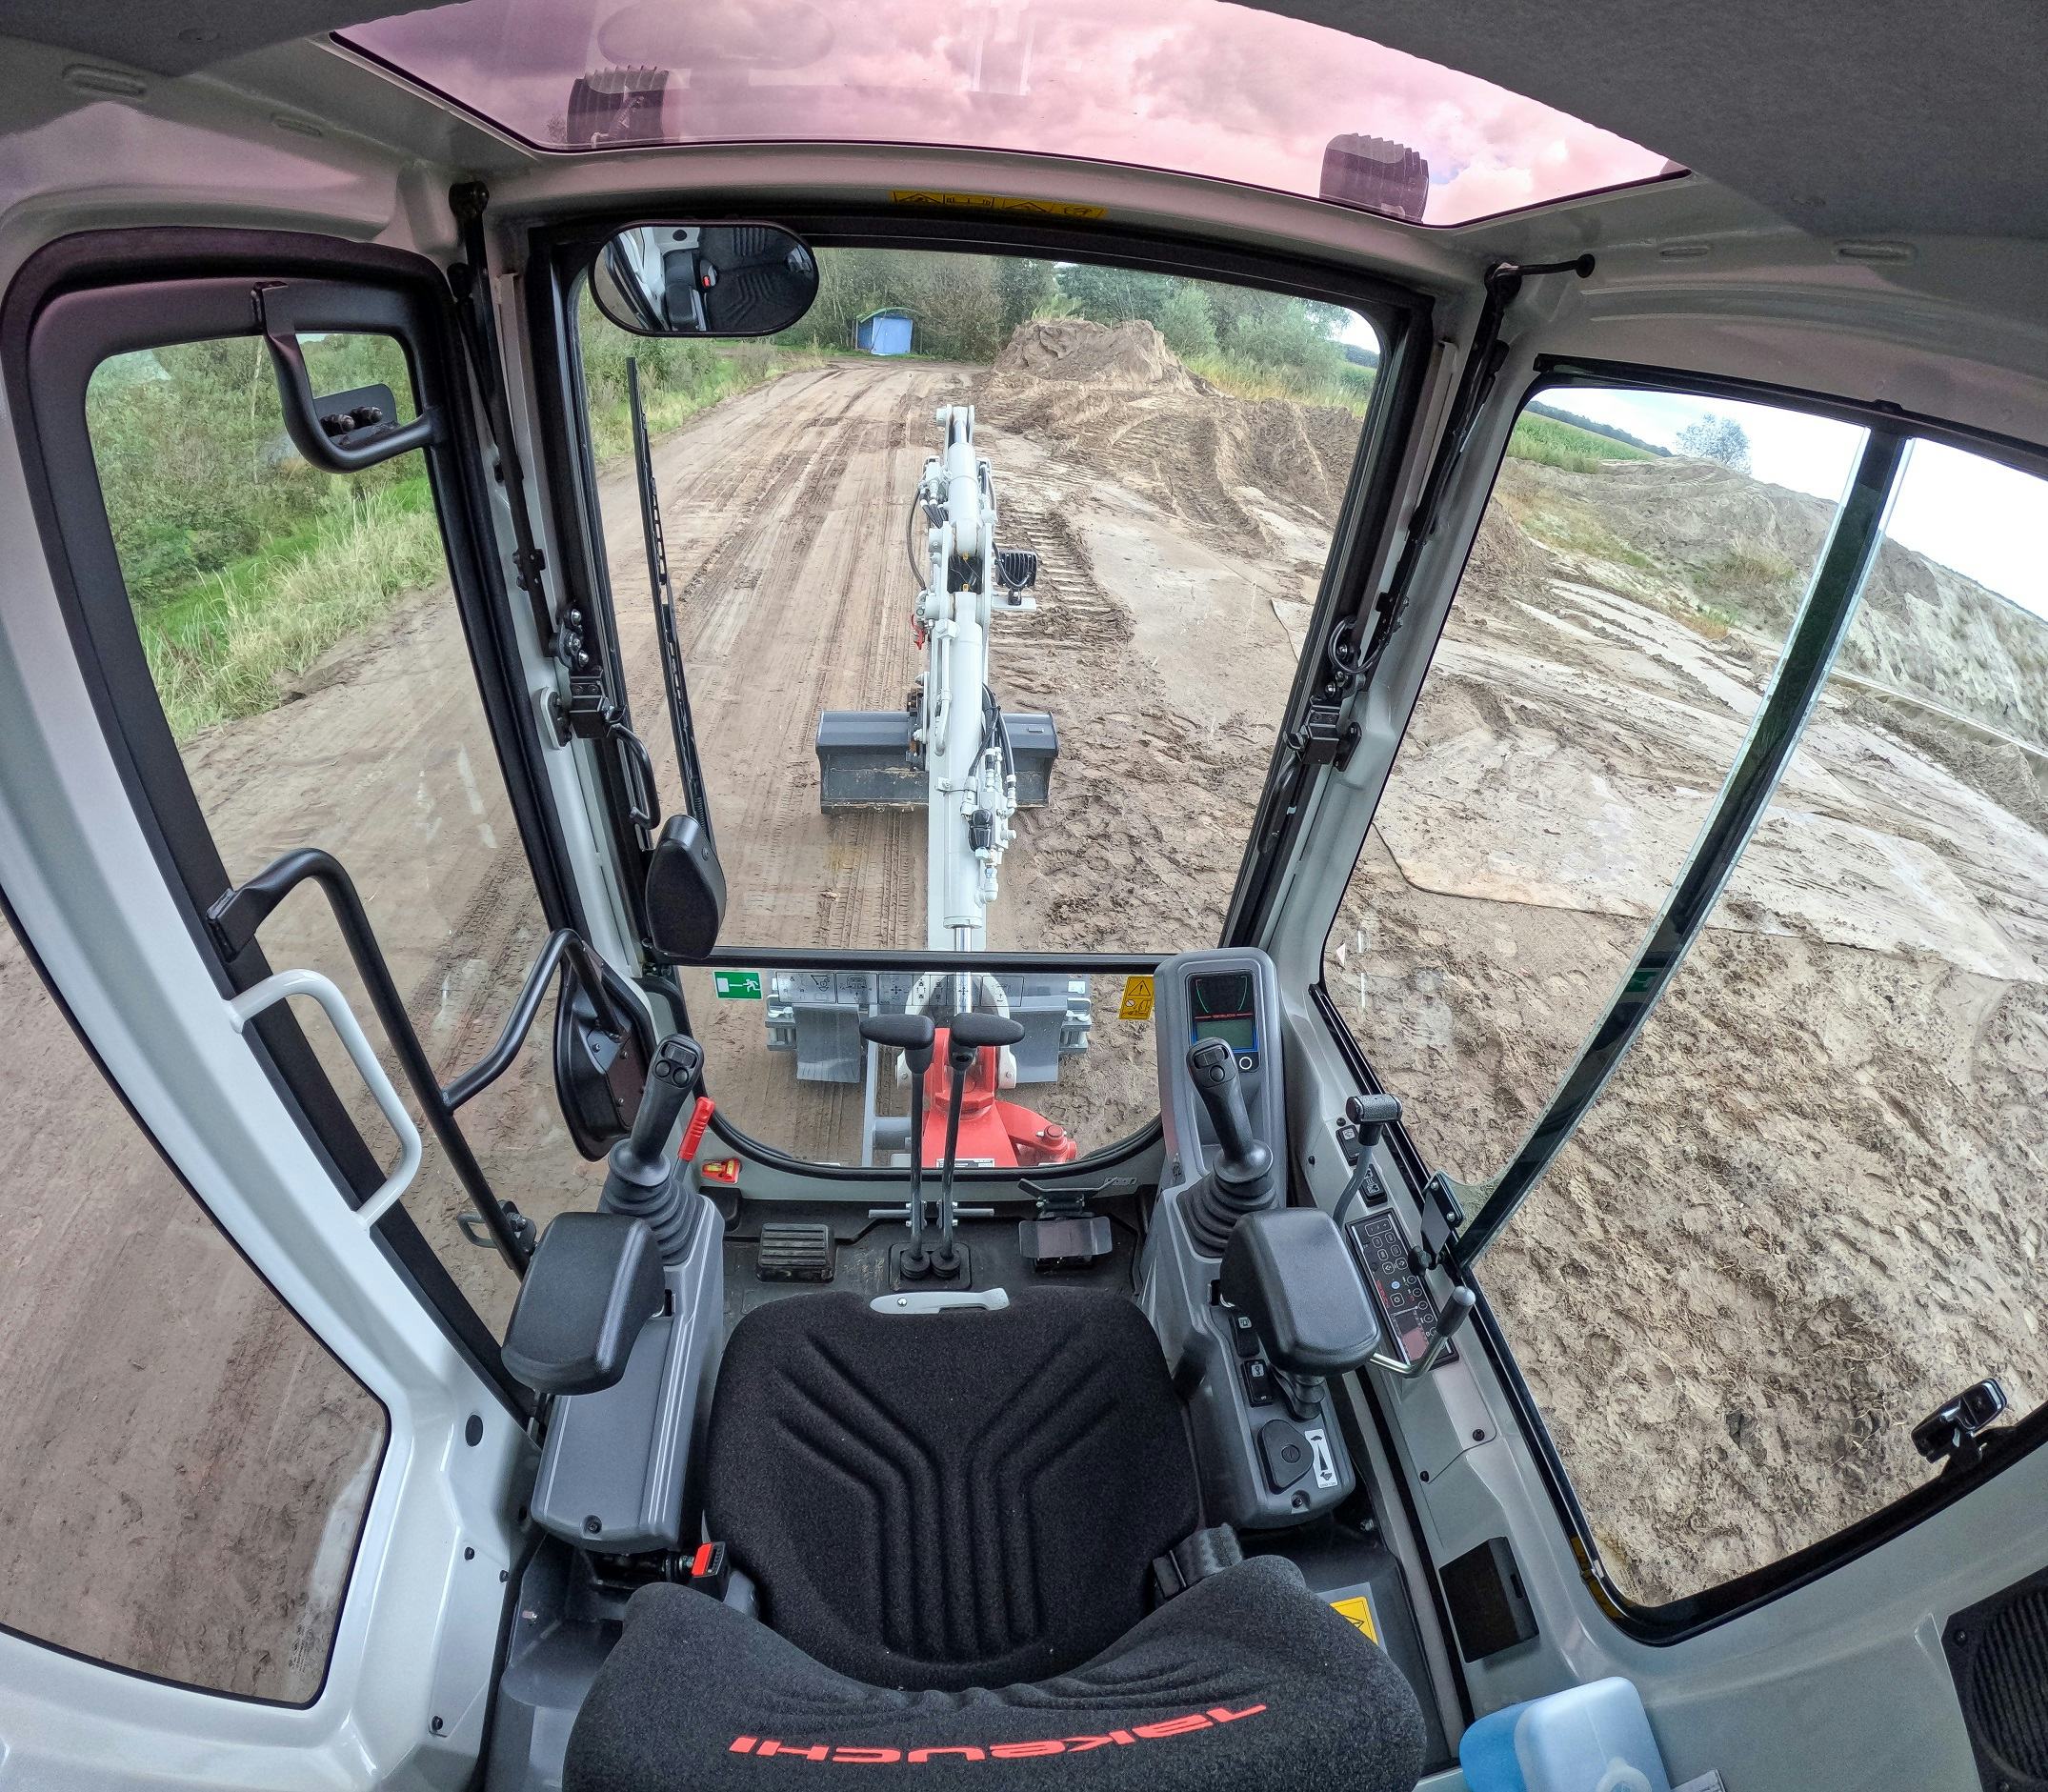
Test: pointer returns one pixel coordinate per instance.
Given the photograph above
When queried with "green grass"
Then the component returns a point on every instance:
(227, 645)
(1575, 529)
(1351, 390)
(1550, 443)
(674, 388)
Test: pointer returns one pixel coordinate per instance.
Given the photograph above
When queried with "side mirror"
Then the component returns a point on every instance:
(685, 890)
(704, 279)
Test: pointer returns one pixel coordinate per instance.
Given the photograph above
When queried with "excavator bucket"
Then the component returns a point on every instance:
(865, 759)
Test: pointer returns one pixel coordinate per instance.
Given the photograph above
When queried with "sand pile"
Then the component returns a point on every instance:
(1121, 354)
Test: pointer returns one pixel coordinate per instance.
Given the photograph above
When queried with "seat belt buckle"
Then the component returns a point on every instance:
(1195, 1557)
(709, 1571)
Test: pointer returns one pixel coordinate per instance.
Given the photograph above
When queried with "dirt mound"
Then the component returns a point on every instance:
(1121, 354)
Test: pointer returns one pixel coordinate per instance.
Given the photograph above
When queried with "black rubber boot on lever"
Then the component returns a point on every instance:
(912, 1036)
(968, 1035)
(644, 1178)
(1240, 1180)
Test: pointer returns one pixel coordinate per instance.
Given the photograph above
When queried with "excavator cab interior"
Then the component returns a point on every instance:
(1035, 899)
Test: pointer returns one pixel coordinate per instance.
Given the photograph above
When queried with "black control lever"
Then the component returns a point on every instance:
(1244, 1161)
(968, 1035)
(642, 1177)
(912, 1036)
(1366, 1117)
(1240, 1180)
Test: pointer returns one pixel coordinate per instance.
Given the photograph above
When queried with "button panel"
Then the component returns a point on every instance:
(1403, 1294)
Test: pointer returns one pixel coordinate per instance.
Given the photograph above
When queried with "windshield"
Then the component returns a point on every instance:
(989, 580)
(1194, 85)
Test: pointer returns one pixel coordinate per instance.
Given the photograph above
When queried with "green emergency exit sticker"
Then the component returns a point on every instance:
(738, 986)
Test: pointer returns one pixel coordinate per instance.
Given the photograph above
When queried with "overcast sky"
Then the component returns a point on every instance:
(1224, 90)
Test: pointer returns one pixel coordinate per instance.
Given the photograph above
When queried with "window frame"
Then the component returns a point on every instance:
(558, 258)
(127, 289)
(1676, 1620)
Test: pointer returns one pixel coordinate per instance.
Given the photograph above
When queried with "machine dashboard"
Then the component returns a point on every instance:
(1223, 1005)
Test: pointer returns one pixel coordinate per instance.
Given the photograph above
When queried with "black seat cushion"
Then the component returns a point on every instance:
(949, 1499)
(1246, 1683)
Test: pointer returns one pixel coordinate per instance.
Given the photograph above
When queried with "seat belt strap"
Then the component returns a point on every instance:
(1195, 1557)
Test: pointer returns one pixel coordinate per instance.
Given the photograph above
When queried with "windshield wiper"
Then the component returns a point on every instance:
(657, 579)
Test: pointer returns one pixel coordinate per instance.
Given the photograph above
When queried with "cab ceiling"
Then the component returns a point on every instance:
(1881, 119)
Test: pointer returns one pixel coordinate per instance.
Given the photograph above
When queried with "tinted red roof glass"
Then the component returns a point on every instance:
(1200, 86)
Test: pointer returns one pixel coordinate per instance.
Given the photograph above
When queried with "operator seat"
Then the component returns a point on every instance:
(951, 1517)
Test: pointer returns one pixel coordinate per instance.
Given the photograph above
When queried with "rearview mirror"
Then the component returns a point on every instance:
(704, 279)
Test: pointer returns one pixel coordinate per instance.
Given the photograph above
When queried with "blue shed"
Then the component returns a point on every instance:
(883, 333)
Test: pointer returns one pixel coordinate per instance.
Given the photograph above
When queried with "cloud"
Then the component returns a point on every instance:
(1200, 85)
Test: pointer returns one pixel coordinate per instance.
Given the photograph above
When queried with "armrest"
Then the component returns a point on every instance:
(1290, 1271)
(594, 1282)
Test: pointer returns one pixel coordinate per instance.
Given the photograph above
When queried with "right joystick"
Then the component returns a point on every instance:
(1240, 1180)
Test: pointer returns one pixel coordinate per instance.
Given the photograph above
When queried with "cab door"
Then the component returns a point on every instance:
(281, 859)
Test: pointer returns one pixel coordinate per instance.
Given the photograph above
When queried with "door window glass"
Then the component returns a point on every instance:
(1806, 1210)
(183, 1469)
(1620, 616)
(313, 667)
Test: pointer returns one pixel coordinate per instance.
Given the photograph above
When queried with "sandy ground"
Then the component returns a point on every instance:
(1804, 1211)
(1802, 1215)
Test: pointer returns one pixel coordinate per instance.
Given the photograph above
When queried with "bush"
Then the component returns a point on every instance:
(1186, 323)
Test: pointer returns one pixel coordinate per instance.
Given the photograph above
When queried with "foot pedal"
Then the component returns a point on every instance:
(794, 1250)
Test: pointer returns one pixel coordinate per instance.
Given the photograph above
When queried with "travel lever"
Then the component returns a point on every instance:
(912, 1036)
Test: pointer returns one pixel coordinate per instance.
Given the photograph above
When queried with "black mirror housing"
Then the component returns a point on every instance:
(685, 890)
(594, 1282)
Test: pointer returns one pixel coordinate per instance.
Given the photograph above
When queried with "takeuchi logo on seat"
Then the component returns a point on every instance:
(870, 1754)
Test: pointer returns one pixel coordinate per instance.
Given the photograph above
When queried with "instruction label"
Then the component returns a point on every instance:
(1137, 1004)
(738, 986)
(1357, 1612)
(995, 202)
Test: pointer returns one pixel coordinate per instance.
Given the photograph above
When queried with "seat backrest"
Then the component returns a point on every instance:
(967, 1498)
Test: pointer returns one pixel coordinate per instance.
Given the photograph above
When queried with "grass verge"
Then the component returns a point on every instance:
(226, 646)
(1550, 443)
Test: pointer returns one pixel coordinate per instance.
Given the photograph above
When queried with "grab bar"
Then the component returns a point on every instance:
(237, 919)
(284, 984)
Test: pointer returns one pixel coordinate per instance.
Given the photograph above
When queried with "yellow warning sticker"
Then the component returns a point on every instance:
(1357, 1612)
(1137, 1004)
(995, 202)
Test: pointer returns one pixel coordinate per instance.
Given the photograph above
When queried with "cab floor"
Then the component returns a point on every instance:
(865, 1252)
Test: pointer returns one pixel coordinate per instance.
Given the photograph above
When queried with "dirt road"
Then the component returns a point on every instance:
(1162, 653)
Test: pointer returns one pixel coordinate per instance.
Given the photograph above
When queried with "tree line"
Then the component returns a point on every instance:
(965, 307)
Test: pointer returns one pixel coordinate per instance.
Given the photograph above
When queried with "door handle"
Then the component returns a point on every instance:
(273, 990)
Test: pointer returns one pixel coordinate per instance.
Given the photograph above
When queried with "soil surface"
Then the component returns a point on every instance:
(1805, 1210)
(1180, 536)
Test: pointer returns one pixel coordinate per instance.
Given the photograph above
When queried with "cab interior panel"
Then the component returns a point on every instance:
(1023, 894)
